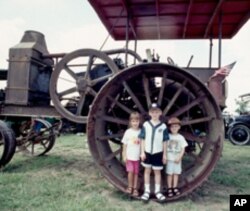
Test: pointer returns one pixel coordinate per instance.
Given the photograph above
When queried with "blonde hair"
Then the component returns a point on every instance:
(134, 116)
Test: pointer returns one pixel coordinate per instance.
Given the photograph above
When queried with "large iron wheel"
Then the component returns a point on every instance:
(7, 144)
(37, 137)
(179, 94)
(74, 82)
(239, 134)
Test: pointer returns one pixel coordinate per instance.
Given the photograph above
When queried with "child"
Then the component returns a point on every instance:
(154, 135)
(175, 151)
(131, 152)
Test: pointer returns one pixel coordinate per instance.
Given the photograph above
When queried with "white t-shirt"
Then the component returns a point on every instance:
(130, 138)
(175, 145)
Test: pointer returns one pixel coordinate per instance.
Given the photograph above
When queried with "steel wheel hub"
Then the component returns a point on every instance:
(82, 84)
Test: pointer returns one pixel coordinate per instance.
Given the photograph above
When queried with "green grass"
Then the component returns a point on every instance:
(233, 169)
(67, 179)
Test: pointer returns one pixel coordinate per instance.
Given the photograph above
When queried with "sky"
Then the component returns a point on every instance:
(69, 25)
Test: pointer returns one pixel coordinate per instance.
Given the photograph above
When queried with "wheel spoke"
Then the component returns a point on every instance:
(70, 72)
(91, 91)
(187, 168)
(32, 148)
(146, 89)
(188, 106)
(199, 145)
(80, 104)
(108, 137)
(163, 84)
(114, 120)
(135, 99)
(66, 92)
(28, 143)
(197, 158)
(120, 105)
(112, 155)
(196, 121)
(42, 138)
(189, 136)
(90, 63)
(176, 95)
(95, 81)
(44, 144)
(30, 134)
(70, 81)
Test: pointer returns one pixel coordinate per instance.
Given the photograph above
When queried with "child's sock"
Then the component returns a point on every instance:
(157, 188)
(147, 188)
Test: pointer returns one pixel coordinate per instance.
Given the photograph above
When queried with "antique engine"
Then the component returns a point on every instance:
(29, 73)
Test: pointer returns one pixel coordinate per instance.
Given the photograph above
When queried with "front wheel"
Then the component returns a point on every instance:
(179, 94)
(7, 144)
(239, 134)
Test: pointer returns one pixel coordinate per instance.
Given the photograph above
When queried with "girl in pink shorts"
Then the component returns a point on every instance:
(131, 152)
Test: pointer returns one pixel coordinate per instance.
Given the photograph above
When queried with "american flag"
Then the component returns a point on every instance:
(223, 72)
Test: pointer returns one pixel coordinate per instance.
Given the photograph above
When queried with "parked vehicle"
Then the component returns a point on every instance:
(239, 130)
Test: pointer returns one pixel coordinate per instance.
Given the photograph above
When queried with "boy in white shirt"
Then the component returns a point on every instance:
(175, 151)
(154, 136)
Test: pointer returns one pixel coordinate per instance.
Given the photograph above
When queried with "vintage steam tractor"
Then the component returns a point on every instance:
(107, 86)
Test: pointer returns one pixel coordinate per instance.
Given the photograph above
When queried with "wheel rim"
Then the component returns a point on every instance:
(239, 135)
(37, 137)
(3, 150)
(179, 94)
(7, 144)
(74, 80)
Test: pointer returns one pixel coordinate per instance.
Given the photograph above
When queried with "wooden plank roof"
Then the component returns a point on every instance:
(172, 19)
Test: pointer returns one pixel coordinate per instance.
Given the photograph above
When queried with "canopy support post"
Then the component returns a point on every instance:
(127, 40)
(220, 39)
(210, 51)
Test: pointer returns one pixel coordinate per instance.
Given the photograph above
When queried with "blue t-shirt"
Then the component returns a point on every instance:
(154, 136)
